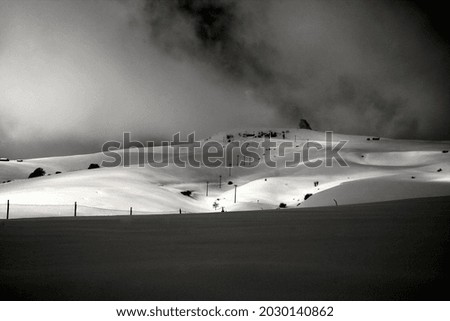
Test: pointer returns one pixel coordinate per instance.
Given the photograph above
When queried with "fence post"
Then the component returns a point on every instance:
(207, 185)
(220, 181)
(7, 210)
(131, 211)
(235, 188)
(75, 210)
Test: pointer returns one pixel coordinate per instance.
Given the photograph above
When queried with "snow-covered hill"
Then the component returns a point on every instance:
(379, 170)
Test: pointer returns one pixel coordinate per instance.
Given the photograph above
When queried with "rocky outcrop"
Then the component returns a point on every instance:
(304, 124)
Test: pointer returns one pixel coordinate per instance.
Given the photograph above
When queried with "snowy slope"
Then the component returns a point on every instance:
(378, 170)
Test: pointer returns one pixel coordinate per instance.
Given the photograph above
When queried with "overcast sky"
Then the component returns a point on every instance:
(74, 74)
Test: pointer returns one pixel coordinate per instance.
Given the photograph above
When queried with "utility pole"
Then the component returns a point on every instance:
(235, 190)
(237, 163)
(207, 184)
(131, 211)
(75, 210)
(7, 210)
(220, 181)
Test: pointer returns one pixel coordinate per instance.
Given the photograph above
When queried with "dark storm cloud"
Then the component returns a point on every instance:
(214, 31)
(353, 66)
(83, 72)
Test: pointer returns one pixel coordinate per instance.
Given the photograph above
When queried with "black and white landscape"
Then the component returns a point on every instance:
(356, 208)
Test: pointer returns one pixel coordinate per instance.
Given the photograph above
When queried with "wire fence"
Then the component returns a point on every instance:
(13, 211)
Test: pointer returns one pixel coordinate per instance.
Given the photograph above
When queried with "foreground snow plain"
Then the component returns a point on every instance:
(378, 170)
